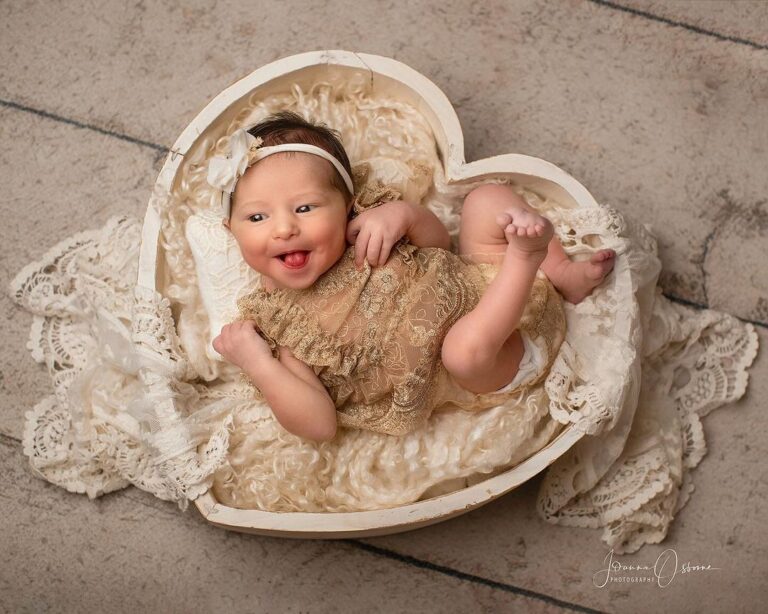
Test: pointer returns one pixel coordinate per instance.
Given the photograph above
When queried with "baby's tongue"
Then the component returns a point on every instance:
(296, 258)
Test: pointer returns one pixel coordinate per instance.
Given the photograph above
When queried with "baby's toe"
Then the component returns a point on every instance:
(503, 219)
(600, 256)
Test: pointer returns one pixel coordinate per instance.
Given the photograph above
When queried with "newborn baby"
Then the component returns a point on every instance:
(379, 333)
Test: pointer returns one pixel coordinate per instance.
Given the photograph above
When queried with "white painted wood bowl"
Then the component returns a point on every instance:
(392, 78)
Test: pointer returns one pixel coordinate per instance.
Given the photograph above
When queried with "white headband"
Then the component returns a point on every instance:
(245, 150)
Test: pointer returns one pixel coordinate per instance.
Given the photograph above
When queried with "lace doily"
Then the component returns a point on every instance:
(693, 362)
(111, 351)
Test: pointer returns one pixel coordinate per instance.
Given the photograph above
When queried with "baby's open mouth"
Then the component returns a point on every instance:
(295, 259)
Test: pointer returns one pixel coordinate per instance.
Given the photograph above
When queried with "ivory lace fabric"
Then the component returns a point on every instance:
(374, 336)
(137, 400)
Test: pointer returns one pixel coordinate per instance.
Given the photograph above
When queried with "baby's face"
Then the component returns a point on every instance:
(284, 204)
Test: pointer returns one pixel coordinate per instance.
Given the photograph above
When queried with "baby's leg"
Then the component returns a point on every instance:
(483, 349)
(573, 280)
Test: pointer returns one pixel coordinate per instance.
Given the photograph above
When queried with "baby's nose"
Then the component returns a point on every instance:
(285, 227)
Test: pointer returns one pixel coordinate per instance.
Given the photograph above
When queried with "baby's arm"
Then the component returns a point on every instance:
(425, 229)
(296, 396)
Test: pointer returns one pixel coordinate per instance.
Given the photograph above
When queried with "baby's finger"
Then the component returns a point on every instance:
(361, 247)
(353, 230)
(248, 327)
(374, 249)
(386, 249)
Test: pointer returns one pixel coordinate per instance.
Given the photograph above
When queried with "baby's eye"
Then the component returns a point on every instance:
(300, 206)
(250, 219)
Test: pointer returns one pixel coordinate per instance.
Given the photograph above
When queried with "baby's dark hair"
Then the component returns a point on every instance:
(289, 127)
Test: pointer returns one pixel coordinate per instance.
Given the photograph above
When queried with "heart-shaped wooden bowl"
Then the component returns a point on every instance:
(391, 78)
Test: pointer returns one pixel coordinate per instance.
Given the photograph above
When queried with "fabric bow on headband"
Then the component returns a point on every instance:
(223, 172)
(244, 150)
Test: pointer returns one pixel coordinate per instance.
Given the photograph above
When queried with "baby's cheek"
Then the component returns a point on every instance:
(333, 240)
(257, 263)
(254, 265)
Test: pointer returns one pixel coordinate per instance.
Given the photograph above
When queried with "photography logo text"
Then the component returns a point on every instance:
(662, 572)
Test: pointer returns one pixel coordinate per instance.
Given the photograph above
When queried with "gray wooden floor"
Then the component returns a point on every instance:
(659, 108)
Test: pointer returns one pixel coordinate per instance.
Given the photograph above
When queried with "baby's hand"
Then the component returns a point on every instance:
(376, 230)
(240, 344)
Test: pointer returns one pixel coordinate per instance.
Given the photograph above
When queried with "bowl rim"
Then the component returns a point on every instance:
(445, 123)
(398, 519)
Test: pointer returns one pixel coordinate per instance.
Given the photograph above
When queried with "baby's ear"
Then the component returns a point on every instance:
(225, 223)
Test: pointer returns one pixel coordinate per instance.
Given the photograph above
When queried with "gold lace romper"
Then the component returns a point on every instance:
(373, 337)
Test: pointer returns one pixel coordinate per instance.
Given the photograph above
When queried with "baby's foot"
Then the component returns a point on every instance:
(528, 234)
(578, 279)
